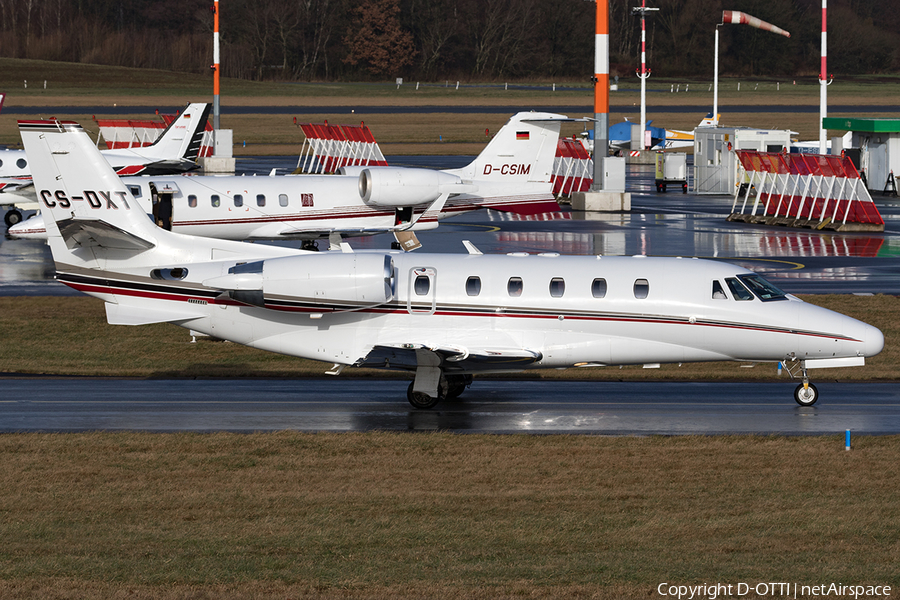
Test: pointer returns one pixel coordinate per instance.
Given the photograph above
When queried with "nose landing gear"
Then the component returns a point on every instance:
(806, 393)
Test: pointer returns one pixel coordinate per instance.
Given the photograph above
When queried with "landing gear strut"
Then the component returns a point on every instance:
(806, 393)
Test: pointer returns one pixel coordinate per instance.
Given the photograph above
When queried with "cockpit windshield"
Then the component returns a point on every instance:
(763, 290)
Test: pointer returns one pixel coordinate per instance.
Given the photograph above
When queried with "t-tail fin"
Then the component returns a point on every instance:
(183, 137)
(82, 199)
(514, 173)
(522, 151)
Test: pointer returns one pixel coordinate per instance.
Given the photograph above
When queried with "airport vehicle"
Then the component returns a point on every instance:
(175, 151)
(513, 173)
(443, 317)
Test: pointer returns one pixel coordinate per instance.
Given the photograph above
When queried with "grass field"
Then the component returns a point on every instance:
(403, 133)
(382, 515)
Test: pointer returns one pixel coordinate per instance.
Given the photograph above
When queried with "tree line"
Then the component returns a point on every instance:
(437, 40)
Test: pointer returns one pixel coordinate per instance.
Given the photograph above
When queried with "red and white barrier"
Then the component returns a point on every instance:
(330, 147)
(818, 191)
(132, 133)
(573, 169)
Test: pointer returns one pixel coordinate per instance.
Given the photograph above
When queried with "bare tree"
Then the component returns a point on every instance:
(376, 40)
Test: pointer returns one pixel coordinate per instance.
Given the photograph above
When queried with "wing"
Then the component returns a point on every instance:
(448, 358)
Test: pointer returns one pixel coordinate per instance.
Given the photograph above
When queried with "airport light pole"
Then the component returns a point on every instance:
(823, 83)
(215, 70)
(644, 73)
(601, 92)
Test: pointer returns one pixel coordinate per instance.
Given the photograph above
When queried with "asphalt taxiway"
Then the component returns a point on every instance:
(489, 406)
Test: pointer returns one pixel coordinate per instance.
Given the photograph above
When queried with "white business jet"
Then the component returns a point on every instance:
(175, 151)
(513, 173)
(442, 317)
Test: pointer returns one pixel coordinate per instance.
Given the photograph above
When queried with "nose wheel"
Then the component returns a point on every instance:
(806, 394)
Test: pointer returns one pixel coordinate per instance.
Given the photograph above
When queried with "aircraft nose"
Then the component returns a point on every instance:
(873, 340)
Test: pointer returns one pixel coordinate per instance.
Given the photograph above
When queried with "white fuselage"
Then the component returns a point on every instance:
(679, 320)
(301, 207)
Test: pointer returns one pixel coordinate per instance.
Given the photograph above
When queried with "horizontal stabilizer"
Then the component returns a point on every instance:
(85, 233)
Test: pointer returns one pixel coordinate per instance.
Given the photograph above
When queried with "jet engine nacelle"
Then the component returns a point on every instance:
(322, 282)
(398, 187)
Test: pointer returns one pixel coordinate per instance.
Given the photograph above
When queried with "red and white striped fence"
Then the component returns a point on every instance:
(330, 147)
(573, 169)
(818, 191)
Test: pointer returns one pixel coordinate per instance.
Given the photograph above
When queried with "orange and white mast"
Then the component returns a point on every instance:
(601, 92)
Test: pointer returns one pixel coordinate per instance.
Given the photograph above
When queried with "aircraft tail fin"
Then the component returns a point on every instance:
(709, 120)
(514, 173)
(522, 151)
(184, 136)
(82, 199)
(2, 98)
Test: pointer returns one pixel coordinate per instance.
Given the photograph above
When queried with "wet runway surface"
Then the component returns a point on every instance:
(541, 407)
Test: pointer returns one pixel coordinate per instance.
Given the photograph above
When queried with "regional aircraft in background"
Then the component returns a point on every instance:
(660, 138)
(175, 151)
(442, 317)
(513, 173)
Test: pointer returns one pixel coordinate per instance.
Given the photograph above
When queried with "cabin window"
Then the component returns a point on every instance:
(282, 199)
(192, 200)
(738, 290)
(306, 200)
(557, 287)
(134, 189)
(598, 288)
(641, 288)
(473, 286)
(1, 163)
(238, 200)
(260, 199)
(514, 286)
(422, 285)
(215, 201)
(763, 290)
(21, 163)
(717, 292)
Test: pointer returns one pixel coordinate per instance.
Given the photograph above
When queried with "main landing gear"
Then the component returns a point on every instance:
(806, 393)
(449, 387)
(13, 216)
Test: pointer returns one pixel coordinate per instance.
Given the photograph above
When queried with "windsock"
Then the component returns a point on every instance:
(737, 17)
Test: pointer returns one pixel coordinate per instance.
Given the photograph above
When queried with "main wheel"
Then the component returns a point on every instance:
(421, 400)
(806, 396)
(457, 385)
(12, 217)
